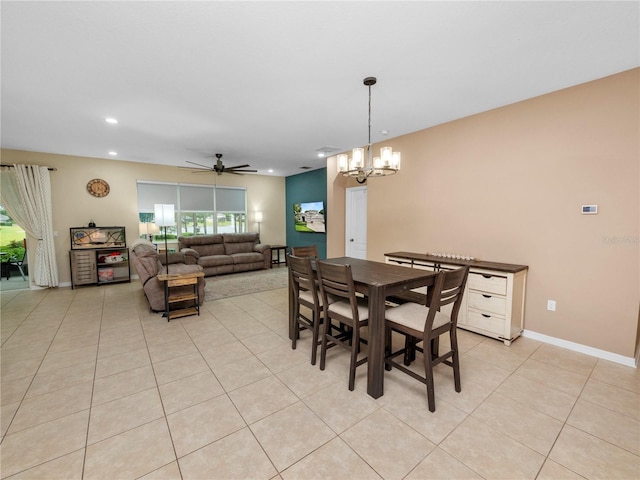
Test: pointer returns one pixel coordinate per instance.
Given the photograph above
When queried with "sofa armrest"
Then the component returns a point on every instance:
(265, 250)
(190, 256)
(261, 248)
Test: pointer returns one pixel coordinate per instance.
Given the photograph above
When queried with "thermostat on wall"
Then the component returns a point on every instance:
(589, 209)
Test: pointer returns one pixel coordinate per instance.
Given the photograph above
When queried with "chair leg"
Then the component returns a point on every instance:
(388, 346)
(435, 347)
(326, 325)
(21, 272)
(355, 348)
(314, 341)
(296, 325)
(428, 373)
(455, 360)
(409, 349)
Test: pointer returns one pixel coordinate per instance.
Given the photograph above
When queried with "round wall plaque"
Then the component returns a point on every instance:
(98, 187)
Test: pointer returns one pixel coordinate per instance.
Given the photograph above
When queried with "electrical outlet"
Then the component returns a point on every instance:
(551, 305)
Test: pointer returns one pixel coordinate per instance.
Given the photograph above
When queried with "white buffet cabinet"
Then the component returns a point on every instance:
(493, 301)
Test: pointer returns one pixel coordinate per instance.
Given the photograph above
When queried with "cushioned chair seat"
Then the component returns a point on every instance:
(412, 315)
(343, 307)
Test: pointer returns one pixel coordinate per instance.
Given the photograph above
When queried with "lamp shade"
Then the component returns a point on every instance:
(258, 217)
(165, 215)
(149, 228)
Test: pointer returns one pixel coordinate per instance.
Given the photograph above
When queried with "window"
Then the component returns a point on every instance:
(200, 209)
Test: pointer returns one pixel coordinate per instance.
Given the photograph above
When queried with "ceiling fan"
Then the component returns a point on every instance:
(219, 167)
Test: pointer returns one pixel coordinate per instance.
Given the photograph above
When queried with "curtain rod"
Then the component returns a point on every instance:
(51, 169)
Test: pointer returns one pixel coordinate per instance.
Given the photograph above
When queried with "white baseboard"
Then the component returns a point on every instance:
(577, 347)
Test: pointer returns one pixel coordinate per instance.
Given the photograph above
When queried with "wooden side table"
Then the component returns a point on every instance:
(278, 249)
(173, 280)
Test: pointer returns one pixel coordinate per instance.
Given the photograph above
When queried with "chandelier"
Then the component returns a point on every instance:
(362, 168)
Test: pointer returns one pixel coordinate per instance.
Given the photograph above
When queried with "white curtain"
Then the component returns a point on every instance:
(26, 195)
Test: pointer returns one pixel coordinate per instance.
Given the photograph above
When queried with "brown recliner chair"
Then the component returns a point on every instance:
(148, 263)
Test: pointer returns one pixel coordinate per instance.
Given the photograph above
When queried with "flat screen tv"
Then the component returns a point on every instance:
(309, 217)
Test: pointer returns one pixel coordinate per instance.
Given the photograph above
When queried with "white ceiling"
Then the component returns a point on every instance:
(269, 83)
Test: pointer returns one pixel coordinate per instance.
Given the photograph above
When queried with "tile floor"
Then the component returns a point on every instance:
(95, 386)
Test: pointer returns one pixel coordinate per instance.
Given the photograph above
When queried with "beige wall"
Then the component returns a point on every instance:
(507, 185)
(74, 207)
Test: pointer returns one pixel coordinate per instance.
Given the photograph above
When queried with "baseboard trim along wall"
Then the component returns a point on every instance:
(577, 347)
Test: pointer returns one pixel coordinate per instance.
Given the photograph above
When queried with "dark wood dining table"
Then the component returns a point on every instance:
(377, 281)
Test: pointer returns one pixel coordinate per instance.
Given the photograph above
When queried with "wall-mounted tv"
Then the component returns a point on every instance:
(309, 217)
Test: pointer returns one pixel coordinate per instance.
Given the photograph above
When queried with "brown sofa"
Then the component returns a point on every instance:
(226, 252)
(148, 264)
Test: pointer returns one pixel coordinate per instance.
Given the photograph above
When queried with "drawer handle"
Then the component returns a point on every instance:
(485, 315)
(486, 276)
(486, 296)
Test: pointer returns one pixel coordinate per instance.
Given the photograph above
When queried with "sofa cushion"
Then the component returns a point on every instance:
(215, 260)
(208, 250)
(205, 245)
(239, 242)
(241, 237)
(240, 247)
(251, 257)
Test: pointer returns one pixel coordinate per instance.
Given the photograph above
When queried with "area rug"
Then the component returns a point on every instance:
(234, 284)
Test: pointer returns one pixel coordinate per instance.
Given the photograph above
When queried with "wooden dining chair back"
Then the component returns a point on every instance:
(346, 309)
(425, 324)
(306, 251)
(306, 293)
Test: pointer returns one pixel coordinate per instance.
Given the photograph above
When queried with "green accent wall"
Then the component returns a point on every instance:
(306, 187)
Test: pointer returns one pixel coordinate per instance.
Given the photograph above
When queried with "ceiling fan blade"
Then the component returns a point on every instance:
(199, 164)
(245, 171)
(235, 167)
(200, 170)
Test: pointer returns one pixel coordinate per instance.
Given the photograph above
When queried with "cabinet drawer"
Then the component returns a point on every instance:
(487, 283)
(485, 321)
(488, 303)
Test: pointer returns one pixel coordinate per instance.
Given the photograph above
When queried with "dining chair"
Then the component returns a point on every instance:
(306, 251)
(426, 323)
(338, 292)
(305, 292)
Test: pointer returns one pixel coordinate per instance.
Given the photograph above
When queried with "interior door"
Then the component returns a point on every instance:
(356, 222)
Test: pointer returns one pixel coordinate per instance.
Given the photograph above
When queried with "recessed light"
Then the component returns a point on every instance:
(321, 155)
(270, 170)
(111, 120)
(113, 153)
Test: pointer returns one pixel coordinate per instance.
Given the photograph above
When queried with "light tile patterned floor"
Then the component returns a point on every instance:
(95, 386)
